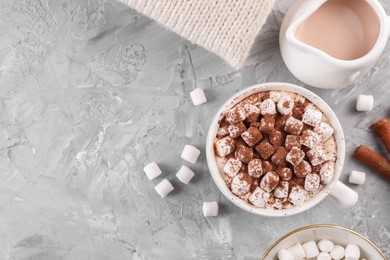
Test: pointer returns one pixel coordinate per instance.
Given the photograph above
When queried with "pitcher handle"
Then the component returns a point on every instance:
(344, 194)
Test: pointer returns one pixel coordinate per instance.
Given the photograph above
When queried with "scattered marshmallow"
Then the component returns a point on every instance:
(311, 249)
(268, 107)
(185, 174)
(152, 170)
(352, 252)
(198, 97)
(347, 196)
(312, 117)
(338, 252)
(284, 254)
(325, 245)
(357, 177)
(285, 105)
(232, 167)
(324, 130)
(297, 251)
(210, 209)
(324, 256)
(164, 188)
(259, 197)
(364, 103)
(190, 153)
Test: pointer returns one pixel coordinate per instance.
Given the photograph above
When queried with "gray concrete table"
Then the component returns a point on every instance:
(91, 91)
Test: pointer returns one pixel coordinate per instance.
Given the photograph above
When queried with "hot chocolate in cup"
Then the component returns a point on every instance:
(335, 144)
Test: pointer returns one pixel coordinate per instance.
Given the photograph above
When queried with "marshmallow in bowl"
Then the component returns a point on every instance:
(297, 251)
(338, 252)
(210, 209)
(311, 249)
(324, 130)
(259, 197)
(285, 105)
(284, 254)
(364, 103)
(267, 107)
(352, 252)
(198, 97)
(324, 256)
(357, 177)
(190, 153)
(325, 245)
(152, 170)
(327, 172)
(224, 146)
(312, 117)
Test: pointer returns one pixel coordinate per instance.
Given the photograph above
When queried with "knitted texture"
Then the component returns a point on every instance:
(225, 27)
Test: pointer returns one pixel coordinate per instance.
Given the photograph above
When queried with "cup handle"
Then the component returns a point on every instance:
(344, 194)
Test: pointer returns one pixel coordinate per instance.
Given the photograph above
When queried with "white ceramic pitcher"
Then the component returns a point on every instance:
(317, 68)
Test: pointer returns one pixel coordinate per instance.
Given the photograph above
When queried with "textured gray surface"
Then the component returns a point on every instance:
(91, 91)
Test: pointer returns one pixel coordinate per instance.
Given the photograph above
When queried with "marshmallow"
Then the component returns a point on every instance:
(364, 103)
(225, 146)
(259, 197)
(210, 209)
(347, 196)
(317, 156)
(337, 253)
(255, 169)
(297, 251)
(325, 245)
(324, 130)
(357, 177)
(310, 139)
(268, 107)
(198, 97)
(295, 156)
(163, 188)
(185, 174)
(232, 167)
(284, 254)
(269, 181)
(326, 172)
(190, 153)
(312, 182)
(311, 249)
(324, 256)
(352, 252)
(281, 191)
(285, 105)
(312, 117)
(297, 195)
(235, 115)
(152, 170)
(241, 184)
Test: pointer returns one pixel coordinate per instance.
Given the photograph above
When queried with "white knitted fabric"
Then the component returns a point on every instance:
(225, 27)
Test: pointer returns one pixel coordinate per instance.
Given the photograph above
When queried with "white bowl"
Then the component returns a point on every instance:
(339, 235)
(341, 192)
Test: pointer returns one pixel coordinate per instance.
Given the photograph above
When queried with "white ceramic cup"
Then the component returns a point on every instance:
(341, 192)
(338, 235)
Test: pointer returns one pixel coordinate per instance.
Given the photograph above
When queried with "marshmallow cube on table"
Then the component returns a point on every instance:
(364, 103)
(357, 177)
(198, 97)
(164, 188)
(185, 174)
(352, 252)
(284, 254)
(190, 153)
(297, 251)
(311, 249)
(210, 209)
(152, 170)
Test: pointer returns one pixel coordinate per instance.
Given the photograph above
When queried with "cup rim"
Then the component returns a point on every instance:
(276, 86)
(319, 226)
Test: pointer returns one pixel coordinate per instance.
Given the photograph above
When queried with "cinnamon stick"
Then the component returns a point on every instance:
(382, 130)
(373, 160)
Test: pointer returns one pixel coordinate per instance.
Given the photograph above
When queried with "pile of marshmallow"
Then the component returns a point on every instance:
(185, 174)
(323, 250)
